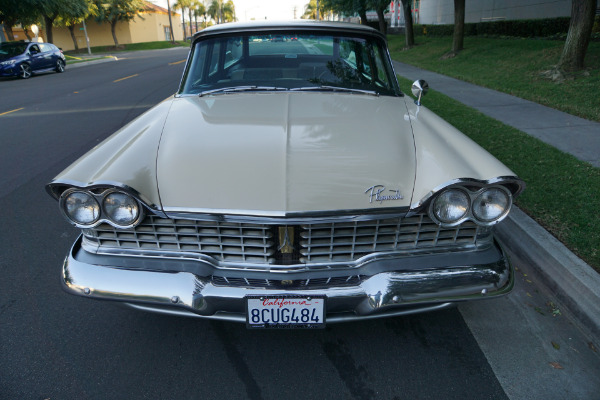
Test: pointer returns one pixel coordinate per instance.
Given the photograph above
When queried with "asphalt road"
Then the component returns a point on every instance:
(57, 346)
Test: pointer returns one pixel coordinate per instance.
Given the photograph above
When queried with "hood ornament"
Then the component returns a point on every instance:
(376, 193)
(286, 240)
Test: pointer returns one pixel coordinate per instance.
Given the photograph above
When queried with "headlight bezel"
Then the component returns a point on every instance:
(456, 221)
(473, 192)
(502, 215)
(107, 213)
(64, 207)
(99, 195)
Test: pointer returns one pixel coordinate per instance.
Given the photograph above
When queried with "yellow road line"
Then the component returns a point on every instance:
(177, 62)
(12, 111)
(127, 77)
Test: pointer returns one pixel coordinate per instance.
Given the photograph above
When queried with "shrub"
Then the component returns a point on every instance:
(545, 28)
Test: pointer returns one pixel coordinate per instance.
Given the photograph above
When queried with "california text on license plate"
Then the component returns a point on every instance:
(285, 312)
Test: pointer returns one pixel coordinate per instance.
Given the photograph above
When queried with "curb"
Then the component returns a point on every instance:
(84, 63)
(575, 284)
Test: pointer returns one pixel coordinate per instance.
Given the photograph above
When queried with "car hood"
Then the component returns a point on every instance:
(276, 154)
(4, 57)
(283, 153)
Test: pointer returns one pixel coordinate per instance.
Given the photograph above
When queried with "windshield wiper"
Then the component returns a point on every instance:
(234, 89)
(326, 88)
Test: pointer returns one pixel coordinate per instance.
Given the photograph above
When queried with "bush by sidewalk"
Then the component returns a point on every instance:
(525, 28)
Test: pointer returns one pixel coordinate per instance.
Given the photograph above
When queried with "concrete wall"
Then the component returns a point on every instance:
(442, 11)
(148, 29)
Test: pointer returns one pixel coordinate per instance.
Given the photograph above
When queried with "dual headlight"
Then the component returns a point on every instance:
(486, 206)
(86, 209)
(9, 62)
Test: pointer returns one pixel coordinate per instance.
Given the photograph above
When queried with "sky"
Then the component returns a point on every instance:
(247, 10)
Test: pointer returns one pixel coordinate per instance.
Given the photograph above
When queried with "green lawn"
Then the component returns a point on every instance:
(513, 66)
(562, 194)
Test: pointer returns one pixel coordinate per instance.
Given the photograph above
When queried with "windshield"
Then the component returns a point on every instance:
(12, 49)
(289, 61)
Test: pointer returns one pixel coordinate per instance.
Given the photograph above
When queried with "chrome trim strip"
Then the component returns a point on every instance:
(283, 217)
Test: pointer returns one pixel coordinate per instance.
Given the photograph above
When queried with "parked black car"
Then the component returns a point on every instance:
(22, 59)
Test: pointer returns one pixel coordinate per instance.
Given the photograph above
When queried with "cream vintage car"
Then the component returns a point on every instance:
(287, 183)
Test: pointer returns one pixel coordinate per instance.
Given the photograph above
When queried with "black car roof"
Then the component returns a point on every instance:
(267, 27)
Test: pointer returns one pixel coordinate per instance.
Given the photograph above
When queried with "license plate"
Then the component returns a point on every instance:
(285, 312)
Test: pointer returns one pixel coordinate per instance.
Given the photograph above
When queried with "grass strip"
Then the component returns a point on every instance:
(128, 47)
(74, 60)
(513, 66)
(562, 194)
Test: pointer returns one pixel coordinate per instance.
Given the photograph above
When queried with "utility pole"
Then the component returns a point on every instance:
(317, 10)
(87, 39)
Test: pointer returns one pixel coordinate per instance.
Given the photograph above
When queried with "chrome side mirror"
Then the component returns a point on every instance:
(419, 89)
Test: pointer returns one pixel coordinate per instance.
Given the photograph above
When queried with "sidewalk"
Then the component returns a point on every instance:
(571, 280)
(566, 132)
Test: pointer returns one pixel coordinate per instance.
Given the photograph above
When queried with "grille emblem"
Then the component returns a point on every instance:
(286, 240)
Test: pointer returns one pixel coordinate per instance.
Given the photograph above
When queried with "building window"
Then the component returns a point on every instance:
(167, 33)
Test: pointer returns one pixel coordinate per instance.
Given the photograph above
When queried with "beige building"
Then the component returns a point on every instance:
(151, 26)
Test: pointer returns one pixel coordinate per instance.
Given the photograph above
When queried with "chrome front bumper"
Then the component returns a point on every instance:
(426, 285)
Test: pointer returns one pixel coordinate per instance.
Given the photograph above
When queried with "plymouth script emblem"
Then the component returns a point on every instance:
(376, 193)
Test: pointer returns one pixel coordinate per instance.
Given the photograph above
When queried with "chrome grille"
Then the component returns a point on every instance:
(258, 244)
(311, 283)
(352, 240)
(235, 242)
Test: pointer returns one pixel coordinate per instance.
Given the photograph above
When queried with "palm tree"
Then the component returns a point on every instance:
(199, 11)
(222, 11)
(182, 5)
(172, 38)
(312, 11)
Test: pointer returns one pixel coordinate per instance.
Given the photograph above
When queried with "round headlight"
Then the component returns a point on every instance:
(451, 205)
(491, 204)
(81, 208)
(121, 208)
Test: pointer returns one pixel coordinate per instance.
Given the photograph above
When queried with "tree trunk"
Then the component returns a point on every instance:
(27, 33)
(172, 38)
(408, 23)
(48, 21)
(72, 31)
(459, 26)
(9, 32)
(183, 23)
(578, 38)
(381, 18)
(190, 15)
(363, 17)
(113, 26)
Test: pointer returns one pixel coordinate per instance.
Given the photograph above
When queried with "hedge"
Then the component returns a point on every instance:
(520, 28)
